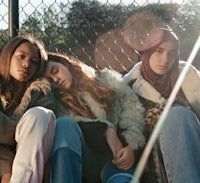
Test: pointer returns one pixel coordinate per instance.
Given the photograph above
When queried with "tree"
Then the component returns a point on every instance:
(187, 27)
(74, 28)
(3, 38)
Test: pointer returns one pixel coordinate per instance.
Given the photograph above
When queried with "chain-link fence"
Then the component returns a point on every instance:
(103, 33)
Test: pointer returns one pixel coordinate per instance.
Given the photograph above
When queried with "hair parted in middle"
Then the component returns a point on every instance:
(82, 83)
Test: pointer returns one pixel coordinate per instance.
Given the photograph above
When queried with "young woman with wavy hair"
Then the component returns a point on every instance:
(101, 104)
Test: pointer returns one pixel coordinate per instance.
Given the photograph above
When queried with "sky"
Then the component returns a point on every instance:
(30, 5)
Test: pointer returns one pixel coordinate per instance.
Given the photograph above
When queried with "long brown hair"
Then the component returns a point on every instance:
(6, 83)
(82, 82)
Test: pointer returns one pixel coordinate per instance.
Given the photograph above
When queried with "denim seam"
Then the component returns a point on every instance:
(166, 164)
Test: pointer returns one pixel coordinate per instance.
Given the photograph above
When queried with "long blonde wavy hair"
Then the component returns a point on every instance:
(82, 82)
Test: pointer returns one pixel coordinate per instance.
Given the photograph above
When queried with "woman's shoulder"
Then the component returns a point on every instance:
(40, 84)
(112, 79)
(192, 69)
(37, 93)
(133, 74)
(182, 64)
(108, 74)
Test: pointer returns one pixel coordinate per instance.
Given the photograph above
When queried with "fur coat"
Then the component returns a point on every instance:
(127, 111)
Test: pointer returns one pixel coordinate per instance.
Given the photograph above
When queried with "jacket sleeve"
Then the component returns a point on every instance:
(43, 94)
(45, 100)
(7, 129)
(131, 117)
(128, 110)
(192, 89)
(38, 98)
(38, 93)
(6, 160)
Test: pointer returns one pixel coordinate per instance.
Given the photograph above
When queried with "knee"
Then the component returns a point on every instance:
(40, 114)
(111, 174)
(179, 115)
(39, 110)
(179, 119)
(68, 134)
(36, 123)
(67, 128)
(38, 119)
(180, 112)
(66, 125)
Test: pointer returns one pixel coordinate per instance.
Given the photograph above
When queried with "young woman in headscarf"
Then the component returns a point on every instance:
(153, 80)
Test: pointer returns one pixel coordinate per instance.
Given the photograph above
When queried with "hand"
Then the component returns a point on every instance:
(125, 158)
(113, 141)
(5, 178)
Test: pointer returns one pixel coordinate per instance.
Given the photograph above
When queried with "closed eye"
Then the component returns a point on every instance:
(54, 70)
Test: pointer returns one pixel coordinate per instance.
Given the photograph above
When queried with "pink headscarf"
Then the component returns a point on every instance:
(164, 84)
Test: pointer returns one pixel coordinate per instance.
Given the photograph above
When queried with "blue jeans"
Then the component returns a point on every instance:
(179, 142)
(111, 174)
(66, 159)
(71, 160)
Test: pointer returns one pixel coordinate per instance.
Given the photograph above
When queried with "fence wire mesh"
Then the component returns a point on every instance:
(103, 33)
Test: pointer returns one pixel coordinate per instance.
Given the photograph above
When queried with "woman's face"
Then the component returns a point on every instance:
(24, 62)
(162, 60)
(59, 74)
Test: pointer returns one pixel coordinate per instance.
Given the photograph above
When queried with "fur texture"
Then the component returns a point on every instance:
(40, 85)
(127, 111)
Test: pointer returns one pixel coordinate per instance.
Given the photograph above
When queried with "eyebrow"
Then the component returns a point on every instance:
(173, 50)
(21, 51)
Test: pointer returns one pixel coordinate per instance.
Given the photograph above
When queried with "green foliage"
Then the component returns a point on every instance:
(188, 28)
(32, 25)
(3, 39)
(89, 19)
(166, 12)
(46, 26)
(72, 27)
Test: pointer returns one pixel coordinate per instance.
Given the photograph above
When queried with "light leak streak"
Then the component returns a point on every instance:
(147, 150)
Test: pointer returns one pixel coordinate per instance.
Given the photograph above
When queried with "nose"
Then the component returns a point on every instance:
(26, 63)
(56, 79)
(165, 58)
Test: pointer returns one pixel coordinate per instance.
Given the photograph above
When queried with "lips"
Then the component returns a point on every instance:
(23, 72)
(62, 83)
(162, 67)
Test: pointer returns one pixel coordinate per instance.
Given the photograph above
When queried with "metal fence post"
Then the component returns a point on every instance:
(13, 18)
